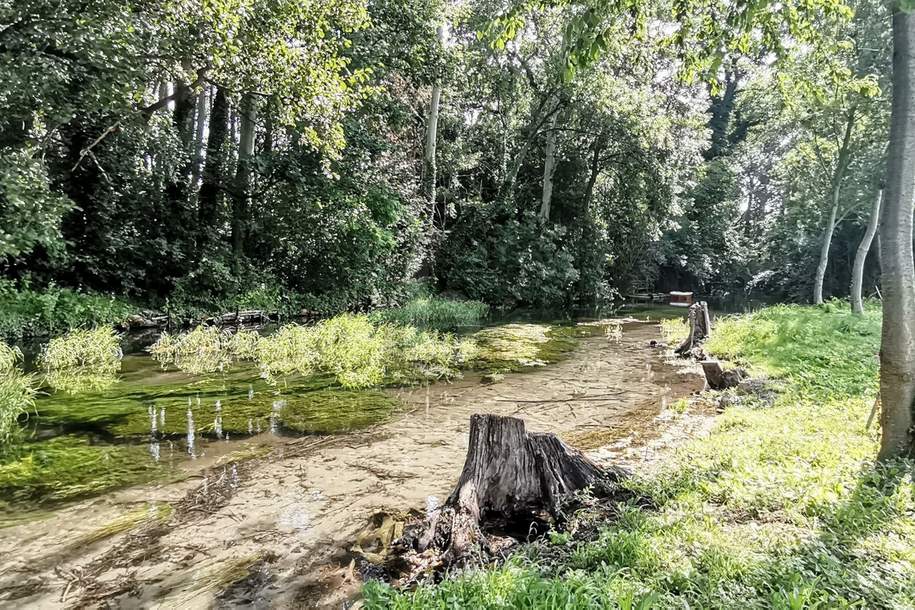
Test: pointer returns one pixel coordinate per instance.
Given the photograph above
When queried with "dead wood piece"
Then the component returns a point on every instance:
(720, 379)
(699, 328)
(512, 481)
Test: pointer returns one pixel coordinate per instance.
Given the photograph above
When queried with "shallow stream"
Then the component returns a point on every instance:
(173, 490)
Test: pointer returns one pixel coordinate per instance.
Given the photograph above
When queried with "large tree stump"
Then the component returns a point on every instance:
(512, 478)
(699, 328)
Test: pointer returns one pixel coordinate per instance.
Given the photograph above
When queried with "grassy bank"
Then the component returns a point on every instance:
(781, 506)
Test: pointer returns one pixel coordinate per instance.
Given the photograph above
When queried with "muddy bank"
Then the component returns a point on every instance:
(278, 526)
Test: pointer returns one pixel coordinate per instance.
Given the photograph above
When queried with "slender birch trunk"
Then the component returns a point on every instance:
(857, 273)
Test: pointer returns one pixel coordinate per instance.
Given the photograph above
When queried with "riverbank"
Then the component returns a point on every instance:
(274, 519)
(780, 506)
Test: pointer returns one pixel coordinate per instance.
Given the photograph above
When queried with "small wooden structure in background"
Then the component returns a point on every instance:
(681, 299)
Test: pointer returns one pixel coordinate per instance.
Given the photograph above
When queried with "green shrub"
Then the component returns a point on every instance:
(26, 313)
(17, 392)
(82, 360)
(206, 349)
(435, 312)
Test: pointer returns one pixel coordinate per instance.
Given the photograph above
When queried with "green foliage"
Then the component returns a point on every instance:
(779, 507)
(17, 392)
(491, 257)
(435, 312)
(26, 313)
(30, 212)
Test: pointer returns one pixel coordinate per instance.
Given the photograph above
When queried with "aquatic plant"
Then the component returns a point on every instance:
(435, 312)
(68, 467)
(360, 354)
(82, 360)
(205, 349)
(17, 393)
(516, 346)
(148, 513)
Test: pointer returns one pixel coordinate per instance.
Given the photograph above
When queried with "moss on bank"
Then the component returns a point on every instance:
(780, 506)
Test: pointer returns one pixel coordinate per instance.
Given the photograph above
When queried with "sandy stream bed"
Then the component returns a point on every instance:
(279, 526)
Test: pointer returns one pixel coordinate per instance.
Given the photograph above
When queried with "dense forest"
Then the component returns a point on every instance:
(271, 271)
(182, 158)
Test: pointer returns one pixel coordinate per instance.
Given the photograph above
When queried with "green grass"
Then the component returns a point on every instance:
(435, 312)
(38, 313)
(781, 506)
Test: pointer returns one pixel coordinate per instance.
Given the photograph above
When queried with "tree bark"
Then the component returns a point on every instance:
(897, 354)
(211, 186)
(241, 185)
(549, 166)
(513, 477)
(700, 328)
(857, 273)
(199, 133)
(837, 177)
(429, 166)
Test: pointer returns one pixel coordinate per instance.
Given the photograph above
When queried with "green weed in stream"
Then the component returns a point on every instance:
(206, 349)
(435, 312)
(82, 360)
(69, 467)
(779, 507)
(362, 354)
(17, 393)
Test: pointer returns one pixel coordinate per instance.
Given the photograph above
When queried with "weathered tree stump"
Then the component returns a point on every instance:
(512, 478)
(700, 328)
(720, 379)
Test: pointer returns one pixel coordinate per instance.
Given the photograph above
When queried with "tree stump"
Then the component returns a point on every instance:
(719, 379)
(700, 328)
(512, 478)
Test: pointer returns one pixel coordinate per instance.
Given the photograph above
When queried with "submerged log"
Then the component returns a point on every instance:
(700, 328)
(512, 481)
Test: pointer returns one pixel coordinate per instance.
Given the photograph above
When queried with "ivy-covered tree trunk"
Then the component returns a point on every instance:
(897, 353)
(857, 272)
(211, 186)
(241, 184)
(429, 165)
(199, 134)
(549, 166)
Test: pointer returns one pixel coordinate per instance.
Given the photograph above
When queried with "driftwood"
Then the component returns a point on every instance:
(514, 485)
(700, 328)
(720, 379)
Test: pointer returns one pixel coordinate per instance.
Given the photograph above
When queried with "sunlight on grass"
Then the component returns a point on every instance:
(780, 506)
(82, 360)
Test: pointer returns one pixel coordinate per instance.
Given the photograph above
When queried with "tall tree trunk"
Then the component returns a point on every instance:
(599, 144)
(199, 133)
(211, 185)
(857, 273)
(837, 177)
(241, 185)
(429, 167)
(549, 166)
(897, 352)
